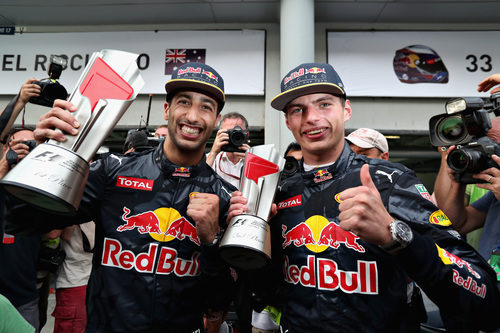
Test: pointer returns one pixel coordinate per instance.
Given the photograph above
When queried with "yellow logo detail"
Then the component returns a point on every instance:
(316, 223)
(166, 216)
(438, 217)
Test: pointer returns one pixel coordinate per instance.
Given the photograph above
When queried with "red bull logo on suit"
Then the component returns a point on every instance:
(318, 234)
(325, 274)
(167, 262)
(162, 224)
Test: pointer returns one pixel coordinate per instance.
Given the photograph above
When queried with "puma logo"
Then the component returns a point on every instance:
(116, 158)
(380, 172)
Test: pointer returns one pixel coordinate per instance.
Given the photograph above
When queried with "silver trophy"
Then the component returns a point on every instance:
(246, 243)
(52, 177)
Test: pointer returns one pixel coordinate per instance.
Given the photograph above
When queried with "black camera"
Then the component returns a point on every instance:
(137, 139)
(30, 143)
(51, 88)
(291, 166)
(466, 124)
(237, 137)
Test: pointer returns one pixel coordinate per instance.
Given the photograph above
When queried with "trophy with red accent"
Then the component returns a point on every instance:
(52, 177)
(246, 243)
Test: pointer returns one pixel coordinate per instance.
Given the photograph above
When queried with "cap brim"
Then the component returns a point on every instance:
(212, 90)
(280, 101)
(360, 143)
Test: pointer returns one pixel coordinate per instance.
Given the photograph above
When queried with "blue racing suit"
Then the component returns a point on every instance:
(332, 281)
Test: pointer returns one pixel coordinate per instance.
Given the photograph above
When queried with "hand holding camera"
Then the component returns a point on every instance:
(50, 88)
(18, 149)
(28, 90)
(466, 125)
(236, 137)
(234, 140)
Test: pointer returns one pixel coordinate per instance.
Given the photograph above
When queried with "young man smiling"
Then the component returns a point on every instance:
(158, 216)
(351, 230)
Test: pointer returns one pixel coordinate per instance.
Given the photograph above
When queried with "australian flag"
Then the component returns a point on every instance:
(176, 57)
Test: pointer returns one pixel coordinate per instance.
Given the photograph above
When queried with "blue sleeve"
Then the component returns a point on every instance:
(450, 272)
(484, 203)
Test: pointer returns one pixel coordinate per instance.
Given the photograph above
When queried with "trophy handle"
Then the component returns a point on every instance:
(88, 125)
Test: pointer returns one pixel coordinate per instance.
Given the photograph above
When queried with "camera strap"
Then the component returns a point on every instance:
(5, 117)
(220, 169)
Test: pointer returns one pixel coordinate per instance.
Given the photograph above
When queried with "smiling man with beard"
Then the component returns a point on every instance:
(159, 215)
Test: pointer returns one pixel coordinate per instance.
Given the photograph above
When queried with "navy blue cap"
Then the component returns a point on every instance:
(305, 79)
(197, 76)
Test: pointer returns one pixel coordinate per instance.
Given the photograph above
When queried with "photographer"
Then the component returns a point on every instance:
(19, 254)
(20, 143)
(11, 111)
(485, 212)
(222, 157)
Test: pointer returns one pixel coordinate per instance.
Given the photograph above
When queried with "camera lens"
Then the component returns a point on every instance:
(238, 138)
(451, 129)
(461, 160)
(291, 166)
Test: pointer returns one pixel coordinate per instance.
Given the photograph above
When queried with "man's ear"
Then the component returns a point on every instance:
(286, 120)
(216, 121)
(166, 107)
(384, 156)
(347, 110)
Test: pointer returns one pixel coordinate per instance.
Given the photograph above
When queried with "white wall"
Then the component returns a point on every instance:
(388, 114)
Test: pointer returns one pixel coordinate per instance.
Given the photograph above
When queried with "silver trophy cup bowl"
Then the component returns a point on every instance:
(52, 177)
(247, 242)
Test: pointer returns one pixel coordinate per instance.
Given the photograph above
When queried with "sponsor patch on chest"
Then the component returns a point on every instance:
(290, 202)
(135, 183)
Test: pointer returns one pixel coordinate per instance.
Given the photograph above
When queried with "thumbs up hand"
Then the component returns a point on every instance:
(363, 213)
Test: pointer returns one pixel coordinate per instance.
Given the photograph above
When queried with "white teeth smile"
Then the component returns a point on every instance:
(190, 130)
(317, 131)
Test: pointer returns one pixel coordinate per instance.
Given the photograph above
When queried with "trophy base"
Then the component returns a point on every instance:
(246, 243)
(51, 178)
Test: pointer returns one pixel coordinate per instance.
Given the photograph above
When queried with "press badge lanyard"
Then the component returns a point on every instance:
(220, 169)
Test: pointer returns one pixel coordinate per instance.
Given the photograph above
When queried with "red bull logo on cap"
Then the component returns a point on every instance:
(196, 70)
(162, 224)
(294, 75)
(315, 70)
(318, 234)
(210, 75)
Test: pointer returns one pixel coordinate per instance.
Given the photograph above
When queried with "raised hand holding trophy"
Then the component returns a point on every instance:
(246, 243)
(52, 177)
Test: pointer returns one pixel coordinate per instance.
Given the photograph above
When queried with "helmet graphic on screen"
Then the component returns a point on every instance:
(419, 64)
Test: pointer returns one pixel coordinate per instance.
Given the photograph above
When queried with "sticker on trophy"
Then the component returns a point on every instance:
(256, 167)
(103, 82)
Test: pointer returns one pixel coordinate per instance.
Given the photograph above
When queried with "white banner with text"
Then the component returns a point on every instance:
(237, 55)
(414, 63)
